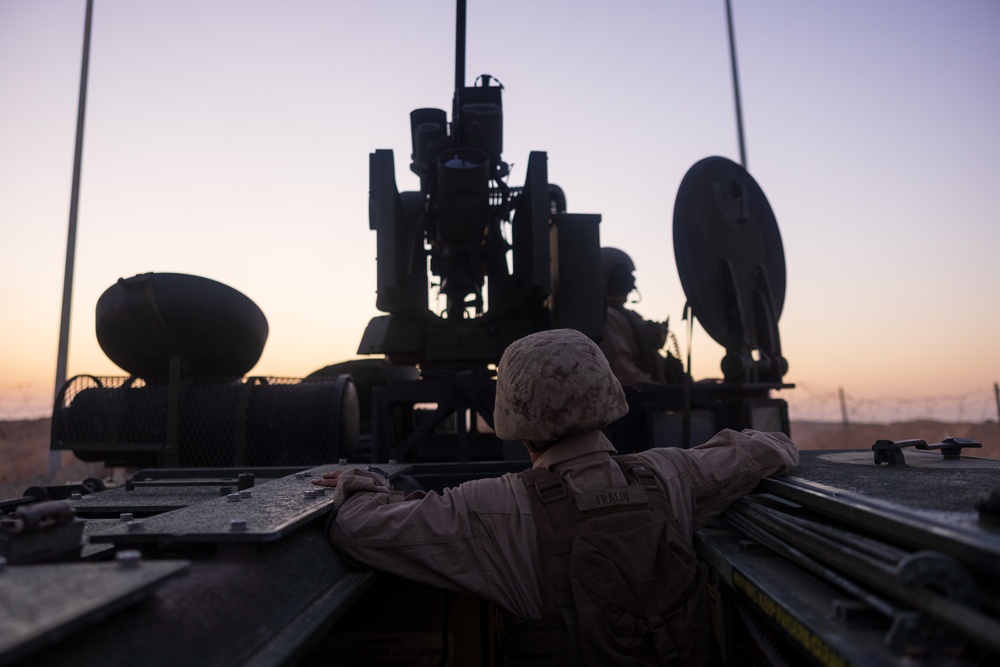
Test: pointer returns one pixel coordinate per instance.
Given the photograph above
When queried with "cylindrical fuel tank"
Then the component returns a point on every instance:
(145, 321)
(255, 421)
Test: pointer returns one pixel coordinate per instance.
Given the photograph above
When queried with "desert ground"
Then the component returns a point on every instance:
(24, 447)
(24, 459)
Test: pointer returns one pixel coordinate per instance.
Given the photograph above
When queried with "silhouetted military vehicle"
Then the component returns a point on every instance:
(213, 552)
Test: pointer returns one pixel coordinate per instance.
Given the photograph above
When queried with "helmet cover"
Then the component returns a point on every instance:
(554, 384)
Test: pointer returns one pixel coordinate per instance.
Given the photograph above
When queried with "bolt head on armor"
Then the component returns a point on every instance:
(554, 384)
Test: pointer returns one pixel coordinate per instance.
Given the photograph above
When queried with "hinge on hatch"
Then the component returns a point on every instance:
(891, 451)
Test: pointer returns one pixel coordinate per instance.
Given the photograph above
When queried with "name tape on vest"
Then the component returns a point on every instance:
(611, 498)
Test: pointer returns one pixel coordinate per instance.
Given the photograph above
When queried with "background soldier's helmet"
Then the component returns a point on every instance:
(617, 268)
(554, 384)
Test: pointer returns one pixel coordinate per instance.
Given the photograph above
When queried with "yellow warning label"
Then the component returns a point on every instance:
(812, 643)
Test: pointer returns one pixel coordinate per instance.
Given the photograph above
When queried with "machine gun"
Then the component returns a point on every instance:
(496, 290)
(453, 228)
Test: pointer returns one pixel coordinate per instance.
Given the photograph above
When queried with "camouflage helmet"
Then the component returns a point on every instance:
(554, 384)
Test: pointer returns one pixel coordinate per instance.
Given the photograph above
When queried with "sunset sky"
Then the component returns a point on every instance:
(230, 139)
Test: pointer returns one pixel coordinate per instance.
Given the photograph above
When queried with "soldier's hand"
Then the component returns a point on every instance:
(329, 479)
(655, 333)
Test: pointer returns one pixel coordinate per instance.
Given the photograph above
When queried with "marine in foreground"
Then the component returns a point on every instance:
(589, 557)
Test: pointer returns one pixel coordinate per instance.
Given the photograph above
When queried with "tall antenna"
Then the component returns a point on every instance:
(460, 44)
(736, 85)
(459, 62)
(56, 457)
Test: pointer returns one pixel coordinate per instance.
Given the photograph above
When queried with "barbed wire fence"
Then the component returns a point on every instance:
(810, 403)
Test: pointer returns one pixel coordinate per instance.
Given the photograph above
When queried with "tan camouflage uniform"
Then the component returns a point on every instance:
(623, 351)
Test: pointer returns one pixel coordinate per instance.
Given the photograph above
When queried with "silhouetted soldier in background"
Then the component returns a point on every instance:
(632, 344)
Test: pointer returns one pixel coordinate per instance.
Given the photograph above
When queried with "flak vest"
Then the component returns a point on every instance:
(623, 585)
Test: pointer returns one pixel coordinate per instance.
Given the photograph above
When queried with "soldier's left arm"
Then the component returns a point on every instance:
(703, 481)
